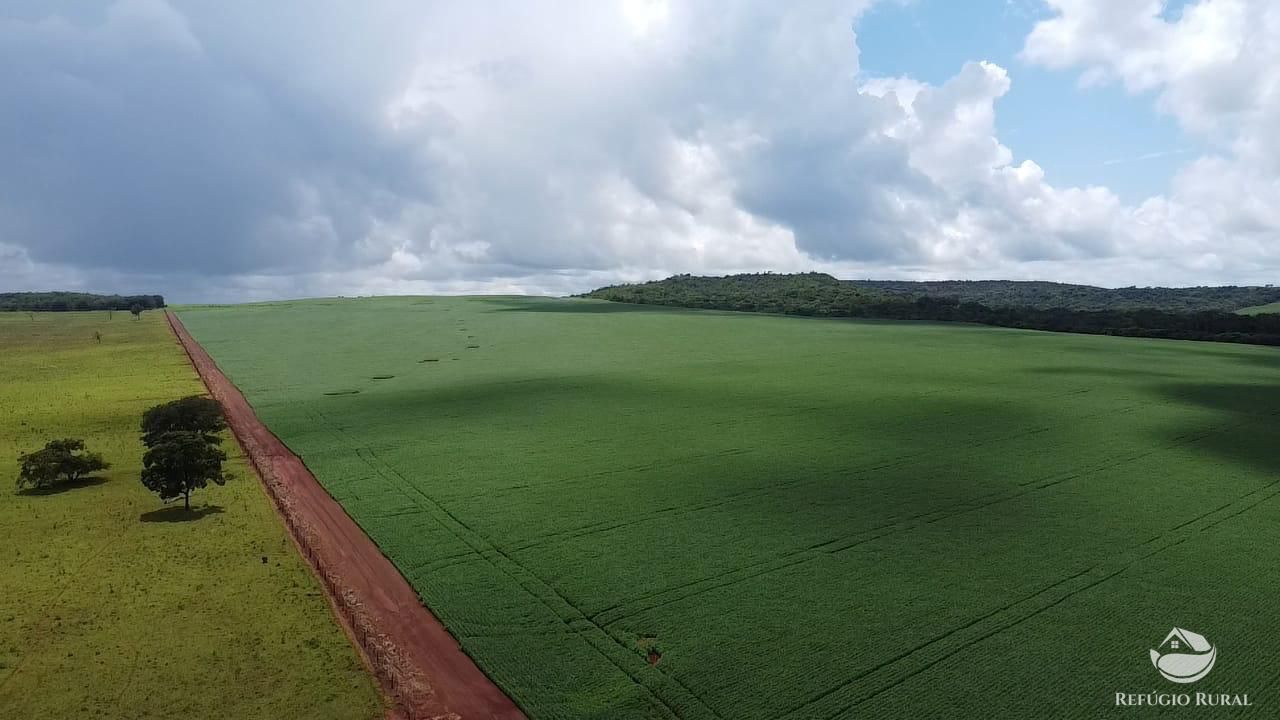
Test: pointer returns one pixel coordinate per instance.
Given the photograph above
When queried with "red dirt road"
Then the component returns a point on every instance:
(417, 661)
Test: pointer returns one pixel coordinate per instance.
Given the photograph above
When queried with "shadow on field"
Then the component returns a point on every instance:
(1247, 432)
(1103, 372)
(1244, 398)
(816, 462)
(593, 307)
(1268, 360)
(178, 514)
(64, 487)
(1265, 357)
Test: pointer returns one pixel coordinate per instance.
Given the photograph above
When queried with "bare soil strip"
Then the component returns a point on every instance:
(419, 664)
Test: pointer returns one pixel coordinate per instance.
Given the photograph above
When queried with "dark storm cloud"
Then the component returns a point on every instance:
(131, 142)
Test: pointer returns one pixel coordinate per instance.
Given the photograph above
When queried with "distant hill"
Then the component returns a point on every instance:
(73, 301)
(1204, 313)
(1050, 295)
(800, 294)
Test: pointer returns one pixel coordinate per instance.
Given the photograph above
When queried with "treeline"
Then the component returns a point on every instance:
(1051, 296)
(70, 301)
(815, 294)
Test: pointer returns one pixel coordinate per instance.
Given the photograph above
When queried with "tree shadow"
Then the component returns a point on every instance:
(180, 514)
(62, 487)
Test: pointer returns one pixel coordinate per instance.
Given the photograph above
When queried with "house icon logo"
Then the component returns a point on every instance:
(1184, 656)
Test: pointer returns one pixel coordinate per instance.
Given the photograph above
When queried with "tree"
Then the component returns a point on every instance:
(195, 414)
(59, 461)
(182, 461)
(136, 309)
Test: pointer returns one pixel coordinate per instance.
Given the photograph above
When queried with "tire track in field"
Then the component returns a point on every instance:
(586, 629)
(919, 426)
(607, 646)
(677, 593)
(885, 676)
(775, 488)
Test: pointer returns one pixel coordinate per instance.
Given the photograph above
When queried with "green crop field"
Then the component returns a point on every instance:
(1261, 309)
(113, 607)
(629, 512)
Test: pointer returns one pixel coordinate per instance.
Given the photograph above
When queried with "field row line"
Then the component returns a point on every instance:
(604, 643)
(632, 665)
(970, 449)
(900, 524)
(875, 681)
(921, 426)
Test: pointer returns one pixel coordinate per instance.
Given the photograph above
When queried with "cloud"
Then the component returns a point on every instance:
(245, 150)
(1213, 69)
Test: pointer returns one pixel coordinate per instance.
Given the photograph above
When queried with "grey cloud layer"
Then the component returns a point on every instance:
(217, 150)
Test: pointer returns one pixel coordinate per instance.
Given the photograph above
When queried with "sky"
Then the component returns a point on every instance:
(223, 151)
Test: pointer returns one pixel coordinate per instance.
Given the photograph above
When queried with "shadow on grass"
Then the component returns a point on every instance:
(179, 514)
(575, 305)
(1244, 432)
(64, 487)
(1103, 372)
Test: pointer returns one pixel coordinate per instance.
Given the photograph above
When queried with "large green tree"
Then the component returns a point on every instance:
(63, 460)
(181, 461)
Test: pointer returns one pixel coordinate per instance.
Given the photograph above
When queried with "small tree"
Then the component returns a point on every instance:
(136, 309)
(195, 414)
(59, 461)
(180, 462)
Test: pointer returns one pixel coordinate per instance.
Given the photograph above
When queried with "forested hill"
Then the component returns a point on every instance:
(67, 301)
(816, 294)
(1049, 295)
(800, 294)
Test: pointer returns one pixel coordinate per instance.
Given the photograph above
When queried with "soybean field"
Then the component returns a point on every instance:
(635, 512)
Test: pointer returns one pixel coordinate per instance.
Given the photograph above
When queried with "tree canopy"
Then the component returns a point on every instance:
(194, 413)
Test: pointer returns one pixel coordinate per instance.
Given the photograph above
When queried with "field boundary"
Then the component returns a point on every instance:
(419, 664)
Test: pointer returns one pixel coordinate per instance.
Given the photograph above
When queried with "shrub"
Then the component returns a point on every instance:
(59, 461)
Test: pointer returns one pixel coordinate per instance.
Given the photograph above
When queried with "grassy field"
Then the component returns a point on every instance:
(1261, 309)
(793, 518)
(112, 606)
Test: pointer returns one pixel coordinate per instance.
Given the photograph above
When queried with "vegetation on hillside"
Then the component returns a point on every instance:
(73, 301)
(816, 294)
(1052, 296)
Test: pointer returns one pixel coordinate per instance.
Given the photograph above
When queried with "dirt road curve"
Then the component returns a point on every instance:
(417, 661)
